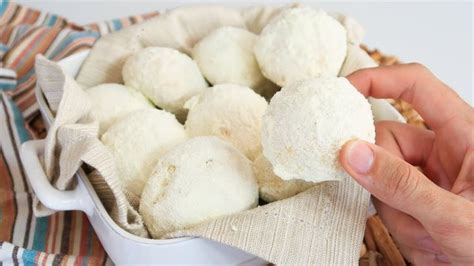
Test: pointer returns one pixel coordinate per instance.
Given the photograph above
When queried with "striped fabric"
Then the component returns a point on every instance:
(65, 238)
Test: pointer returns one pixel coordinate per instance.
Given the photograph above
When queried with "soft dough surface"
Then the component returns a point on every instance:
(307, 123)
(137, 142)
(197, 181)
(226, 56)
(272, 187)
(301, 43)
(111, 102)
(231, 112)
(166, 76)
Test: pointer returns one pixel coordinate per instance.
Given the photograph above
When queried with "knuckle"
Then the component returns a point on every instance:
(383, 128)
(381, 125)
(418, 66)
(399, 180)
(422, 71)
(381, 132)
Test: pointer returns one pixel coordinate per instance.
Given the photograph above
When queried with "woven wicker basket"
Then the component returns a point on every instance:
(378, 248)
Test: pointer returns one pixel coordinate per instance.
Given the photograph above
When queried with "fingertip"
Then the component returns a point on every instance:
(357, 157)
(343, 153)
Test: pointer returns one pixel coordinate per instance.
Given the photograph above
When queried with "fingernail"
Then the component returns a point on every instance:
(360, 157)
(443, 258)
(428, 244)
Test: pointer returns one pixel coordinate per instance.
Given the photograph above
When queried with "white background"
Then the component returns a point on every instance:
(437, 34)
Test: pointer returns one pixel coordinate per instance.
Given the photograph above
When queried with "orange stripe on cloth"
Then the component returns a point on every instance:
(49, 234)
(18, 17)
(71, 233)
(8, 14)
(5, 32)
(15, 54)
(78, 218)
(86, 43)
(38, 258)
(31, 16)
(55, 232)
(64, 261)
(43, 262)
(7, 202)
(84, 241)
(59, 234)
(27, 96)
(97, 249)
(25, 58)
(24, 85)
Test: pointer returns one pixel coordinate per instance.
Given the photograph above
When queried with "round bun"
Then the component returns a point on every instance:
(198, 180)
(166, 76)
(111, 102)
(137, 141)
(272, 187)
(301, 43)
(226, 56)
(231, 112)
(307, 123)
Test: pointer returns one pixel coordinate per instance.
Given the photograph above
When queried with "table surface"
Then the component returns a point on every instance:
(436, 34)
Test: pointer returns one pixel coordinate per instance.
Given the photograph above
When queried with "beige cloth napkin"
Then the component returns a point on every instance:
(180, 28)
(324, 225)
(72, 140)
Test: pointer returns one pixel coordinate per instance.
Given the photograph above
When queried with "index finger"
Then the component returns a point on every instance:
(415, 84)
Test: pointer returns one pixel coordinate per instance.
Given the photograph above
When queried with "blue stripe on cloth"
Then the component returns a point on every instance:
(7, 85)
(29, 256)
(19, 122)
(3, 6)
(52, 19)
(90, 235)
(20, 31)
(38, 42)
(117, 24)
(3, 51)
(71, 37)
(26, 76)
(39, 240)
(3, 47)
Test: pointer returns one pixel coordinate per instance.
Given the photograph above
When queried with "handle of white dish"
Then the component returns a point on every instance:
(48, 195)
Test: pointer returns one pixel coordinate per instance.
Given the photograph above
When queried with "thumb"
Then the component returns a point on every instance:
(394, 181)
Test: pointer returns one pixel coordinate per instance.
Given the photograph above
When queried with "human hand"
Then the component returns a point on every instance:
(430, 214)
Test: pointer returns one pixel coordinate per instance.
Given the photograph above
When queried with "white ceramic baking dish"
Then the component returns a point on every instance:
(121, 246)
